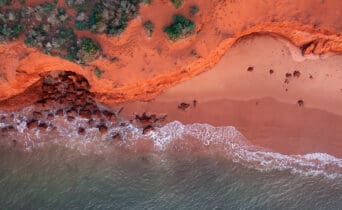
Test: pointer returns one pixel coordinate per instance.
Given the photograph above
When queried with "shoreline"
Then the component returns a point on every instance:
(255, 121)
(278, 100)
(293, 110)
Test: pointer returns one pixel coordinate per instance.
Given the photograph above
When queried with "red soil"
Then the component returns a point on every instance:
(147, 66)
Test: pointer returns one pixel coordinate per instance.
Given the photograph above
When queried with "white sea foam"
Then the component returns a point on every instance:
(235, 146)
(240, 150)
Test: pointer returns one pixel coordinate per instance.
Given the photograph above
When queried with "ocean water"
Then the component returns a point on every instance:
(176, 166)
(55, 177)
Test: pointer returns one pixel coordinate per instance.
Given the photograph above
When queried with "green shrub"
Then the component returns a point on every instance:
(177, 3)
(29, 41)
(194, 10)
(96, 15)
(80, 25)
(11, 25)
(115, 29)
(89, 46)
(180, 28)
(88, 50)
(37, 36)
(98, 72)
(12, 32)
(64, 38)
(149, 27)
(72, 54)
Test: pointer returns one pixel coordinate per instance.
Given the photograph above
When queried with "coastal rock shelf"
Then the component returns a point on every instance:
(65, 100)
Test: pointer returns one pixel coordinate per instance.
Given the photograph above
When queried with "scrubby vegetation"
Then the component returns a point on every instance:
(149, 28)
(46, 27)
(63, 43)
(104, 16)
(177, 3)
(89, 50)
(180, 28)
(10, 25)
(98, 72)
(193, 10)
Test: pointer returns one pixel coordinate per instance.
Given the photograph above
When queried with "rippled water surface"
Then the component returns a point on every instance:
(174, 166)
(55, 177)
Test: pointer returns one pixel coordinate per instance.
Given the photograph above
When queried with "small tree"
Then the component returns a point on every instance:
(149, 28)
(194, 10)
(180, 28)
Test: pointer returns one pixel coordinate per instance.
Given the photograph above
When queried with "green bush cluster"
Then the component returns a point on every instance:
(63, 43)
(89, 50)
(83, 50)
(89, 46)
(46, 30)
(104, 16)
(180, 28)
(37, 37)
(45, 27)
(10, 25)
(10, 32)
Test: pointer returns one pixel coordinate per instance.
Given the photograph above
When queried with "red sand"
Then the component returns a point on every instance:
(261, 105)
(257, 103)
(159, 63)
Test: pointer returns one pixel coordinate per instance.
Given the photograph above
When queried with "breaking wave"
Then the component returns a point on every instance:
(237, 147)
(174, 136)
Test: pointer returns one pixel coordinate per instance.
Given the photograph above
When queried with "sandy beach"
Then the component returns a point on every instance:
(274, 96)
(170, 104)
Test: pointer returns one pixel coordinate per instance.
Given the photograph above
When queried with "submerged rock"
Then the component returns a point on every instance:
(85, 114)
(148, 129)
(103, 129)
(33, 124)
(81, 131)
(42, 126)
(116, 137)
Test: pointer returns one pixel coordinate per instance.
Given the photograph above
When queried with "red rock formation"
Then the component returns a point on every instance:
(160, 63)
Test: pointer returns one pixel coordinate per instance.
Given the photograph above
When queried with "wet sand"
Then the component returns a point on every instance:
(274, 96)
